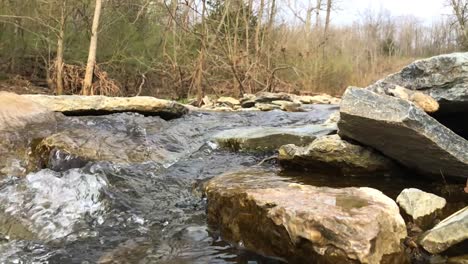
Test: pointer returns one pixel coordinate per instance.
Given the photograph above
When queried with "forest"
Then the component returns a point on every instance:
(179, 49)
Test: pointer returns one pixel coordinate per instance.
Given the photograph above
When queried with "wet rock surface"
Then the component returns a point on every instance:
(402, 131)
(270, 138)
(451, 231)
(95, 105)
(275, 216)
(336, 155)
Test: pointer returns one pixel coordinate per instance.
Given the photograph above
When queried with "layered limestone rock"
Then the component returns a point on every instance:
(331, 153)
(273, 216)
(81, 105)
(402, 131)
(270, 138)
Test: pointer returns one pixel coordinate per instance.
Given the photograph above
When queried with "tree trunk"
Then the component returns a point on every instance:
(317, 13)
(88, 81)
(60, 48)
(327, 18)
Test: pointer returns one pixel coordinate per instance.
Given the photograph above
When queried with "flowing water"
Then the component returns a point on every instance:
(140, 203)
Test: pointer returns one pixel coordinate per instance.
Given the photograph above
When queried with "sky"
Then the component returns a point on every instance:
(426, 10)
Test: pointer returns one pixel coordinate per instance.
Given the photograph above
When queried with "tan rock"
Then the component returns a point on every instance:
(318, 99)
(458, 260)
(337, 155)
(266, 107)
(74, 104)
(424, 101)
(288, 106)
(228, 101)
(16, 111)
(420, 206)
(273, 216)
(449, 232)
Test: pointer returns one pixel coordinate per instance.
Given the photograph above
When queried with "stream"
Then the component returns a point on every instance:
(147, 207)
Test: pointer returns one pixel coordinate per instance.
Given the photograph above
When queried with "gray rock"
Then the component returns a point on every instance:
(270, 138)
(451, 231)
(420, 206)
(444, 77)
(402, 131)
(267, 97)
(334, 154)
(273, 216)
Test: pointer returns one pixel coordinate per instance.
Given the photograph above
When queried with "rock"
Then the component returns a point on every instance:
(229, 101)
(458, 260)
(289, 106)
(248, 101)
(318, 99)
(402, 131)
(95, 105)
(305, 224)
(48, 205)
(266, 107)
(443, 77)
(270, 138)
(87, 144)
(22, 123)
(423, 101)
(421, 206)
(449, 232)
(331, 153)
(17, 111)
(267, 97)
(333, 119)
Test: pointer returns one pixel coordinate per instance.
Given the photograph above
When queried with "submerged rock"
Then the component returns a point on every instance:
(402, 131)
(331, 153)
(90, 105)
(421, 206)
(449, 232)
(444, 77)
(305, 224)
(48, 205)
(270, 138)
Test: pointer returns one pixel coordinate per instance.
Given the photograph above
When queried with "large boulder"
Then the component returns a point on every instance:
(451, 231)
(335, 154)
(270, 138)
(401, 130)
(17, 111)
(93, 105)
(420, 206)
(22, 123)
(443, 77)
(305, 224)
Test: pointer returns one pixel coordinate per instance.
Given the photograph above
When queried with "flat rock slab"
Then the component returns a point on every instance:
(404, 132)
(270, 138)
(273, 216)
(451, 231)
(444, 77)
(94, 105)
(335, 154)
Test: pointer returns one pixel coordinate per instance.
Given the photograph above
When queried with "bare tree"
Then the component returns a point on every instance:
(460, 10)
(88, 80)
